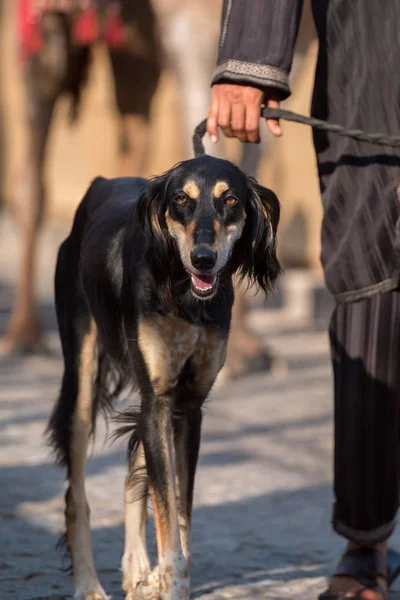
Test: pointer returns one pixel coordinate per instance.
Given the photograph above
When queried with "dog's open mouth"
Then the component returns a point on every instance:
(203, 286)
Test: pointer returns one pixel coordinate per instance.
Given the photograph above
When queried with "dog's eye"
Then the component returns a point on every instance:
(181, 199)
(230, 201)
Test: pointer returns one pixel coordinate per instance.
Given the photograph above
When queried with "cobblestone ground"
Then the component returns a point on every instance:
(263, 489)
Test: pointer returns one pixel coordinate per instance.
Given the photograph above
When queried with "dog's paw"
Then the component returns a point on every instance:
(149, 589)
(136, 569)
(98, 594)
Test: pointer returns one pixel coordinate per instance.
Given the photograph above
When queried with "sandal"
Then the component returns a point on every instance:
(365, 565)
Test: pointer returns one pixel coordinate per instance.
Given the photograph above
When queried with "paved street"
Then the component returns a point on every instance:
(263, 489)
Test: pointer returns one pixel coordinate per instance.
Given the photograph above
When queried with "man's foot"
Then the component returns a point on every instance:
(353, 561)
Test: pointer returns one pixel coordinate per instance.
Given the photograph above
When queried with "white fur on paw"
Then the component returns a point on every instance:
(135, 569)
(148, 589)
(174, 577)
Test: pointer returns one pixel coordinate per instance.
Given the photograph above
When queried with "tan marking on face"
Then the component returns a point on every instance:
(166, 343)
(225, 238)
(217, 228)
(183, 235)
(174, 227)
(191, 189)
(224, 234)
(219, 188)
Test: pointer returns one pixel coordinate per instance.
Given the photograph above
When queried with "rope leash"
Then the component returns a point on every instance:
(379, 139)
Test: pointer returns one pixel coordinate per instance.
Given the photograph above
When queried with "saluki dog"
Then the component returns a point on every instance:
(143, 296)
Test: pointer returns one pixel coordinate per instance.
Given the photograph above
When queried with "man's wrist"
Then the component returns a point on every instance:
(263, 77)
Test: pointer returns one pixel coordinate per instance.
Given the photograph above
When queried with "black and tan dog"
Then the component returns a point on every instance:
(144, 290)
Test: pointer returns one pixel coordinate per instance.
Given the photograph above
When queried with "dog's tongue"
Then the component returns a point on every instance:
(205, 283)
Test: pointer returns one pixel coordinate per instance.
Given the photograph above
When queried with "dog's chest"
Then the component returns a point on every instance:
(167, 342)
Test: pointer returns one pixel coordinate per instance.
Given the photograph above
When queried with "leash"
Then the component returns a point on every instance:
(379, 139)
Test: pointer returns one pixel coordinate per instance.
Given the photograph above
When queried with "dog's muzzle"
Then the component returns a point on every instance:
(203, 281)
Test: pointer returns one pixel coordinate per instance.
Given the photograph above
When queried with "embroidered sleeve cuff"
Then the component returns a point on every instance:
(263, 76)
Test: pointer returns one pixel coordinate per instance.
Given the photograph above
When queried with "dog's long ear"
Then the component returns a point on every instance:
(151, 215)
(256, 248)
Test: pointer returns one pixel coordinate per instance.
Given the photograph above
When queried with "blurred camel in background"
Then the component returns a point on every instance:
(56, 37)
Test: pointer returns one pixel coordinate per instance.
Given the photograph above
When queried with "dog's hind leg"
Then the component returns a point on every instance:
(77, 510)
(72, 420)
(135, 561)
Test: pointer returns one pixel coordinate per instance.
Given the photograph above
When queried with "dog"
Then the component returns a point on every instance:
(144, 294)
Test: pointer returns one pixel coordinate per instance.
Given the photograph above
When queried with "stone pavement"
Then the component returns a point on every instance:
(263, 489)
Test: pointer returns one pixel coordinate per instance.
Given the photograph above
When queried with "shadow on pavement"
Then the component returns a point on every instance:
(263, 539)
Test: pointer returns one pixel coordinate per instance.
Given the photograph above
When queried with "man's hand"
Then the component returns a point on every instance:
(237, 109)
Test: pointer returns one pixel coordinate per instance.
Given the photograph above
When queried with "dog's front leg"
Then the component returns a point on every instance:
(159, 449)
(165, 344)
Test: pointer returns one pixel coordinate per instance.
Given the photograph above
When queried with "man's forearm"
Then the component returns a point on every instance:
(257, 42)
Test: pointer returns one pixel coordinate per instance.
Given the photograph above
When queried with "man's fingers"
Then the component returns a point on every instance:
(225, 116)
(212, 120)
(238, 121)
(274, 127)
(273, 124)
(253, 124)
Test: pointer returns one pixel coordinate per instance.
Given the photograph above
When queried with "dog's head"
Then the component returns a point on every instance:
(220, 220)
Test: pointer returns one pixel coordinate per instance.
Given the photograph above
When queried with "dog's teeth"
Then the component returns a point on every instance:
(203, 289)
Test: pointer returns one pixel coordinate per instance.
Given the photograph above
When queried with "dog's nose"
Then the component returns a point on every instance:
(203, 258)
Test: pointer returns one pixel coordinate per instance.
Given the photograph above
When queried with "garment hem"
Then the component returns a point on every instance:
(364, 538)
